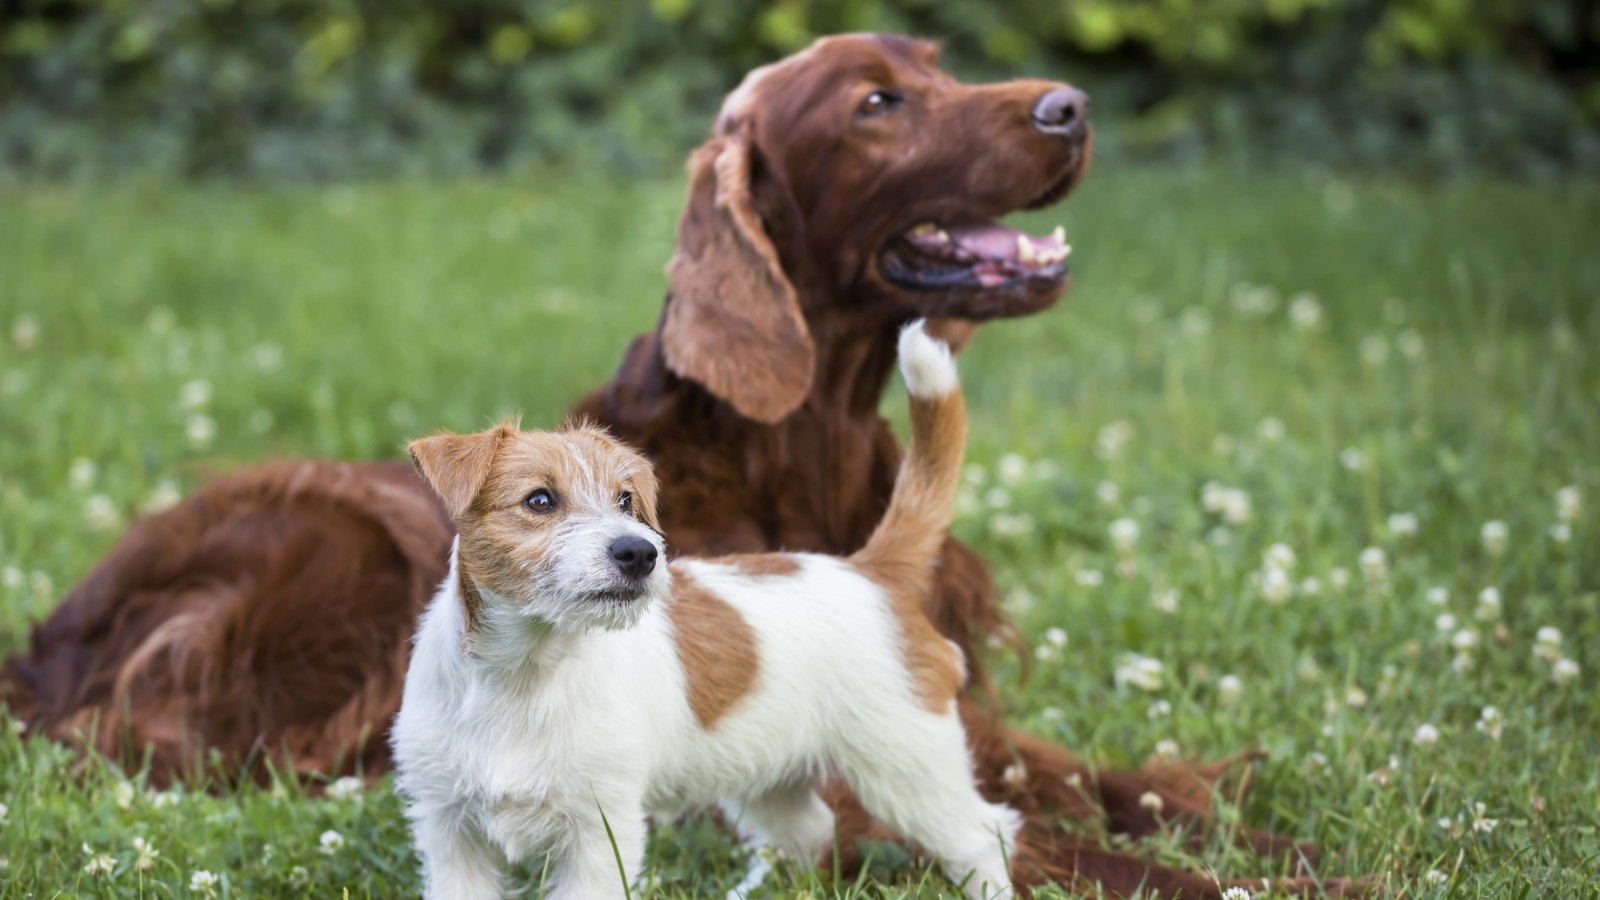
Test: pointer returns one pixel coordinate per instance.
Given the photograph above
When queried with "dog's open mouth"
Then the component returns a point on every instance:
(931, 256)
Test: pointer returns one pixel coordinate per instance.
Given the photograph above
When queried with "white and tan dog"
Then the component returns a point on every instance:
(566, 684)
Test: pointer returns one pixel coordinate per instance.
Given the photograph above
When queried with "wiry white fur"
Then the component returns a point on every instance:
(516, 748)
(925, 362)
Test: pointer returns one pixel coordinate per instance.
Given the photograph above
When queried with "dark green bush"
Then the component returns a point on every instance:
(314, 88)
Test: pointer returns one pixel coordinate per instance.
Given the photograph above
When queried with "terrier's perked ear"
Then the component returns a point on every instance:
(457, 465)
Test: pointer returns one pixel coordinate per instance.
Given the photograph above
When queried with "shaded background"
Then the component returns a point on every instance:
(339, 88)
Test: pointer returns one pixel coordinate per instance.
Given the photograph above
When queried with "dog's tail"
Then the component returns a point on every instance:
(913, 530)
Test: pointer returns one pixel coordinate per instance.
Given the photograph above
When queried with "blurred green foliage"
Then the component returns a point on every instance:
(316, 88)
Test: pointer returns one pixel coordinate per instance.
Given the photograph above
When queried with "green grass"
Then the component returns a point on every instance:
(1452, 376)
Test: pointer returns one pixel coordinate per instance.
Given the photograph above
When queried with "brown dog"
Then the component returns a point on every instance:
(845, 191)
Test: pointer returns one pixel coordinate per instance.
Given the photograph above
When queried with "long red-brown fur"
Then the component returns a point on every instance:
(268, 616)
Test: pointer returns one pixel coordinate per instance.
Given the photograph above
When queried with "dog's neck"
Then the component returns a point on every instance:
(503, 642)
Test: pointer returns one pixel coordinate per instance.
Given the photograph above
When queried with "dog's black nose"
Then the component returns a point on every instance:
(1063, 111)
(635, 556)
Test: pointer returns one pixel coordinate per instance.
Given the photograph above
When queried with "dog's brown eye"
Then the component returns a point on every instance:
(878, 102)
(540, 501)
(625, 502)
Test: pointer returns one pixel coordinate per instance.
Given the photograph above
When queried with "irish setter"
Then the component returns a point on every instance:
(844, 191)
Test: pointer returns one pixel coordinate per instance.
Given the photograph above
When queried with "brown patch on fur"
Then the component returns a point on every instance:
(716, 647)
(760, 565)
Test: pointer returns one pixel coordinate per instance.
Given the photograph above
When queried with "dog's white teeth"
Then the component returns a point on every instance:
(1025, 251)
(924, 230)
(1059, 235)
(942, 236)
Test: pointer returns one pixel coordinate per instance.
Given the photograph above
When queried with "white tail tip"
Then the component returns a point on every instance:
(926, 363)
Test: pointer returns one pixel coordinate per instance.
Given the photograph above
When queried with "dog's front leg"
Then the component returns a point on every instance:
(457, 862)
(586, 868)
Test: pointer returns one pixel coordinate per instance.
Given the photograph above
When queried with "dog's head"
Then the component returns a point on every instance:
(855, 186)
(558, 525)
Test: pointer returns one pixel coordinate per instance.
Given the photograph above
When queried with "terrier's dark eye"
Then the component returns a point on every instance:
(878, 102)
(625, 502)
(540, 501)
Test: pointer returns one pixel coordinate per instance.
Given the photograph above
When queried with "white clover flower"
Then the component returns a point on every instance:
(1305, 313)
(100, 512)
(1355, 698)
(1438, 596)
(1019, 600)
(1352, 459)
(1167, 749)
(1445, 622)
(1374, 564)
(39, 582)
(1236, 508)
(1494, 536)
(1211, 496)
(1015, 776)
(1140, 671)
(1108, 493)
(1056, 637)
(265, 356)
(147, 855)
(25, 332)
(1549, 636)
(203, 882)
(1045, 653)
(1561, 533)
(1464, 640)
(1052, 714)
(1481, 822)
(1012, 469)
(1569, 503)
(1195, 322)
(974, 475)
(1165, 601)
(997, 498)
(1307, 669)
(1270, 430)
(1275, 586)
(1159, 710)
(1152, 801)
(98, 864)
(4, 809)
(1434, 876)
(195, 395)
(164, 496)
(345, 788)
(1317, 763)
(1410, 344)
(165, 798)
(1403, 525)
(1311, 587)
(1089, 577)
(123, 794)
(11, 578)
(1426, 735)
(81, 474)
(1280, 556)
(1339, 577)
(1113, 438)
(1490, 723)
(1124, 535)
(1463, 663)
(299, 876)
(1229, 689)
(1074, 780)
(331, 842)
(1489, 605)
(201, 430)
(1563, 671)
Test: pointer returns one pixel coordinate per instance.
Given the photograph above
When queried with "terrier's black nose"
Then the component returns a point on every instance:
(635, 556)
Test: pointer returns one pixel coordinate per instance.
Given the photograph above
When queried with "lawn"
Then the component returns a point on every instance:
(1302, 463)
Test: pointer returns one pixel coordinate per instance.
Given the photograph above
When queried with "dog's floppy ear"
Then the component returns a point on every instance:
(733, 322)
(646, 493)
(457, 465)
